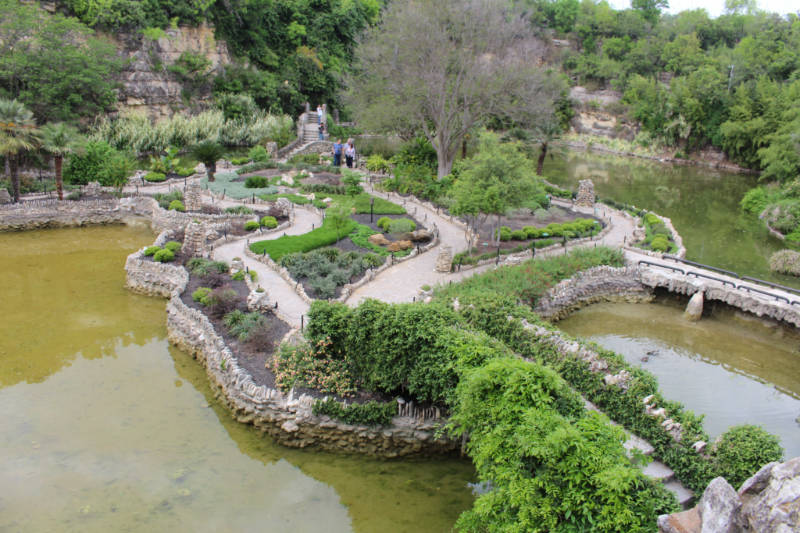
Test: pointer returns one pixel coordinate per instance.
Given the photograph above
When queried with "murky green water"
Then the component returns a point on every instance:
(731, 367)
(107, 428)
(702, 203)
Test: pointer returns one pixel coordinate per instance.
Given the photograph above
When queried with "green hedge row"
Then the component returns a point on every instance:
(325, 235)
(366, 414)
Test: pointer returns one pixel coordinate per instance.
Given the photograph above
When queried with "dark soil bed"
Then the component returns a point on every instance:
(323, 178)
(252, 358)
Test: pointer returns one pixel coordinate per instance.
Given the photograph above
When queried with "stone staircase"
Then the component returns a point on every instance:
(311, 128)
(655, 469)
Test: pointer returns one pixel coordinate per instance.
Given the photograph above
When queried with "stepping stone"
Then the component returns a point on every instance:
(659, 471)
(683, 494)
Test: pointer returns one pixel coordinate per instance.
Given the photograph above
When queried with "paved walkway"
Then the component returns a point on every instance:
(291, 306)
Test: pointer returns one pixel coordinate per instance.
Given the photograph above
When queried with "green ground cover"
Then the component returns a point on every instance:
(325, 235)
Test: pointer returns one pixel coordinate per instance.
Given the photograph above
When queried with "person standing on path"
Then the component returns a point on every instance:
(337, 153)
(349, 152)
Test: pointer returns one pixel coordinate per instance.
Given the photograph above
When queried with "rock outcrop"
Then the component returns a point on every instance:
(768, 502)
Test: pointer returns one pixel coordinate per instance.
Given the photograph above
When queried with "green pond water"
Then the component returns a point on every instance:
(702, 203)
(730, 366)
(108, 428)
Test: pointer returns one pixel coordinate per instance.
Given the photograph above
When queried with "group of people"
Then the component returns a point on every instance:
(339, 149)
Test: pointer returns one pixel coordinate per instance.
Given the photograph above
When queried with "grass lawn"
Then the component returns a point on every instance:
(322, 236)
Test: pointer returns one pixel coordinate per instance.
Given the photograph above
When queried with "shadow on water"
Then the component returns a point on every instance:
(729, 366)
(702, 203)
(108, 428)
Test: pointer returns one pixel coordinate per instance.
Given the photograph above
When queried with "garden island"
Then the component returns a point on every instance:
(471, 265)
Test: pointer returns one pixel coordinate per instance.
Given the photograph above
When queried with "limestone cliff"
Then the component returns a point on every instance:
(147, 84)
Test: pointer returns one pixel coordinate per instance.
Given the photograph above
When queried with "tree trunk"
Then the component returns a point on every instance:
(445, 163)
(13, 166)
(211, 170)
(540, 163)
(58, 162)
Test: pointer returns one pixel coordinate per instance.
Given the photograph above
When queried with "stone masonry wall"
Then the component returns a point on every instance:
(598, 284)
(145, 276)
(56, 214)
(288, 418)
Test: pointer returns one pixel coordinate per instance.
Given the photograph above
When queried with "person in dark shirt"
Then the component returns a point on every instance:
(337, 153)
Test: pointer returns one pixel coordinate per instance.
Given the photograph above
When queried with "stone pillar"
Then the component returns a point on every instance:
(444, 261)
(5, 198)
(194, 240)
(585, 196)
(694, 310)
(193, 197)
(272, 149)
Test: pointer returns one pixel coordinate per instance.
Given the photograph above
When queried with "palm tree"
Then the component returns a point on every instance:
(18, 134)
(546, 132)
(59, 139)
(208, 152)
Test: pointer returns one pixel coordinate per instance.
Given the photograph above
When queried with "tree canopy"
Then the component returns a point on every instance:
(54, 64)
(441, 68)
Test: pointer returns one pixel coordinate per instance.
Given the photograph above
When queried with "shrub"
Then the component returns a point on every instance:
(256, 166)
(269, 222)
(173, 246)
(200, 266)
(376, 163)
(163, 256)
(402, 225)
(241, 324)
(239, 210)
(364, 414)
(165, 199)
(373, 260)
(660, 244)
(754, 201)
(97, 162)
(238, 276)
(505, 233)
(383, 223)
(251, 225)
(519, 235)
(184, 171)
(201, 295)
(150, 250)
(222, 301)
(785, 262)
(176, 205)
(240, 160)
(258, 154)
(652, 219)
(154, 177)
(742, 450)
(312, 365)
(256, 182)
(352, 182)
(311, 159)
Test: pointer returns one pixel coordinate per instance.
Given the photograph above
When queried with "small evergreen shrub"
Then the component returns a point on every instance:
(251, 225)
(383, 223)
(256, 182)
(176, 205)
(376, 163)
(201, 295)
(238, 276)
(184, 171)
(155, 177)
(401, 225)
(240, 160)
(742, 450)
(258, 154)
(200, 266)
(269, 222)
(505, 233)
(173, 246)
(150, 250)
(163, 256)
(519, 235)
(367, 414)
(660, 244)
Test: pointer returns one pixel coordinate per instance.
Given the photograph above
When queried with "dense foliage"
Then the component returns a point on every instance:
(55, 65)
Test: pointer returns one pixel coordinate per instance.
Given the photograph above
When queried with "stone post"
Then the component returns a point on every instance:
(585, 196)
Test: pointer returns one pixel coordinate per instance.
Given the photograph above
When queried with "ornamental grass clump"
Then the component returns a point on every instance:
(785, 262)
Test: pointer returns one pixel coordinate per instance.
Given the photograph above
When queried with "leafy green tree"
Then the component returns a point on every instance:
(446, 67)
(498, 178)
(651, 9)
(53, 64)
(98, 161)
(18, 134)
(546, 132)
(59, 140)
(683, 55)
(208, 152)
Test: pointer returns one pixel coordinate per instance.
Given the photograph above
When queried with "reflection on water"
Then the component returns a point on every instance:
(730, 367)
(107, 428)
(702, 203)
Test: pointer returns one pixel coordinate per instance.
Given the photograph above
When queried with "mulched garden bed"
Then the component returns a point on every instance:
(252, 358)
(323, 178)
(266, 172)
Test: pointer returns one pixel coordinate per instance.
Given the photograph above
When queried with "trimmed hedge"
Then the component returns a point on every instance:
(323, 236)
(367, 414)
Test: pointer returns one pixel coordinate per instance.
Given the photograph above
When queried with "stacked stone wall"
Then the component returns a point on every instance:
(39, 214)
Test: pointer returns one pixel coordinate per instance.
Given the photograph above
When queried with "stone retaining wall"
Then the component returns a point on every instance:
(145, 276)
(287, 418)
(40, 214)
(598, 284)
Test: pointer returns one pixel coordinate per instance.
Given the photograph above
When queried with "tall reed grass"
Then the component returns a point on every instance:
(134, 131)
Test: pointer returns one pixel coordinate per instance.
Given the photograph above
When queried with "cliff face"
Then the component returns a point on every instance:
(148, 85)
